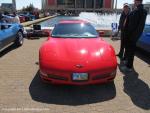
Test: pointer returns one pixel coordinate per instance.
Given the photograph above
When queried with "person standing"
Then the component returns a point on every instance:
(133, 29)
(125, 12)
(16, 18)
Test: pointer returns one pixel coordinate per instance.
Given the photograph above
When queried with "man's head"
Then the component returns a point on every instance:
(126, 8)
(137, 2)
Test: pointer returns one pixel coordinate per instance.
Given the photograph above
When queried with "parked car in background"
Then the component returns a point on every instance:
(11, 18)
(32, 17)
(75, 54)
(41, 15)
(8, 18)
(22, 19)
(46, 14)
(11, 33)
(144, 41)
(28, 16)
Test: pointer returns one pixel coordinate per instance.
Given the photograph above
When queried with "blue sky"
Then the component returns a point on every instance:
(37, 3)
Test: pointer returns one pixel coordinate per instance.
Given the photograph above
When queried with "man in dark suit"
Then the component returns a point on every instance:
(133, 29)
(124, 14)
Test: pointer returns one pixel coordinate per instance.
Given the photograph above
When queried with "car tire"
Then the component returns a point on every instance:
(19, 39)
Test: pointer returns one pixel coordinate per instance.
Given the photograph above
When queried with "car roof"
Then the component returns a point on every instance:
(72, 21)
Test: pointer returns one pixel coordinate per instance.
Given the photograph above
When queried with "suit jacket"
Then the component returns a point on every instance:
(135, 24)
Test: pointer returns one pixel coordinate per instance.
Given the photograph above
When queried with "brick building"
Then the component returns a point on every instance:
(77, 5)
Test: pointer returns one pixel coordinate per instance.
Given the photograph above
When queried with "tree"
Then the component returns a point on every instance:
(29, 8)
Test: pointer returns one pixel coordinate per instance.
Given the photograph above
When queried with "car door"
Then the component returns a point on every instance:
(1, 39)
(7, 35)
(144, 41)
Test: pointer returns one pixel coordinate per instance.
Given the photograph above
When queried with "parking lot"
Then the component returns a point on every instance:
(22, 91)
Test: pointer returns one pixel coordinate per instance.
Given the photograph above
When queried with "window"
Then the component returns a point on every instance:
(61, 2)
(89, 3)
(76, 30)
(99, 3)
(80, 3)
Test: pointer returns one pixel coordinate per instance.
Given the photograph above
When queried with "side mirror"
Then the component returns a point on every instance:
(4, 27)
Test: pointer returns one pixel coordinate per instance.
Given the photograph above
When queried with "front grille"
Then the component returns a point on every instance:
(57, 77)
(101, 76)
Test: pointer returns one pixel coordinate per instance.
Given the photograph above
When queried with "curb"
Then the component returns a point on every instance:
(25, 24)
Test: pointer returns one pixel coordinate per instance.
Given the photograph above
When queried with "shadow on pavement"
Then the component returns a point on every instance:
(7, 50)
(136, 89)
(70, 95)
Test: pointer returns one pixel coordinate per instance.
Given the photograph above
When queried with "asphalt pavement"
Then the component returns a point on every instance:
(21, 90)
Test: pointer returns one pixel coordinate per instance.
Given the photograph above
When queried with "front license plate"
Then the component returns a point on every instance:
(80, 76)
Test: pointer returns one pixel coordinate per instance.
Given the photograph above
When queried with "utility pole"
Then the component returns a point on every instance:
(116, 5)
(116, 8)
(14, 4)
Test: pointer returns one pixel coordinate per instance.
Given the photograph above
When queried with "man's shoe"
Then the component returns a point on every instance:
(129, 69)
(126, 69)
(125, 62)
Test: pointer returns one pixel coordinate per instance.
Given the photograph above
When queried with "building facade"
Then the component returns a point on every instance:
(9, 7)
(146, 6)
(77, 5)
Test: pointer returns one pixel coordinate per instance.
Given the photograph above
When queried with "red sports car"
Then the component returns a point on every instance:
(75, 54)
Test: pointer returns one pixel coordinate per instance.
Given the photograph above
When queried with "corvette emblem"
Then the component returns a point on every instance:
(79, 66)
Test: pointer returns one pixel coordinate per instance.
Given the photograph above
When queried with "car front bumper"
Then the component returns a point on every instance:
(67, 80)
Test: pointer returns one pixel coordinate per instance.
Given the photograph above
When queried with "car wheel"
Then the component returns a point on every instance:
(20, 39)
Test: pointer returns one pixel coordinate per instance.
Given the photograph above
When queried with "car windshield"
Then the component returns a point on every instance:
(74, 30)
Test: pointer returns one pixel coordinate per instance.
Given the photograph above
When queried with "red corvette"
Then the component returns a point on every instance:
(76, 55)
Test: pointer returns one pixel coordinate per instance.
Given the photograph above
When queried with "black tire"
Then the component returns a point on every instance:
(19, 39)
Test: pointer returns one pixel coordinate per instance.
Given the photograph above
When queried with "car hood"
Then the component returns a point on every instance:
(71, 52)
